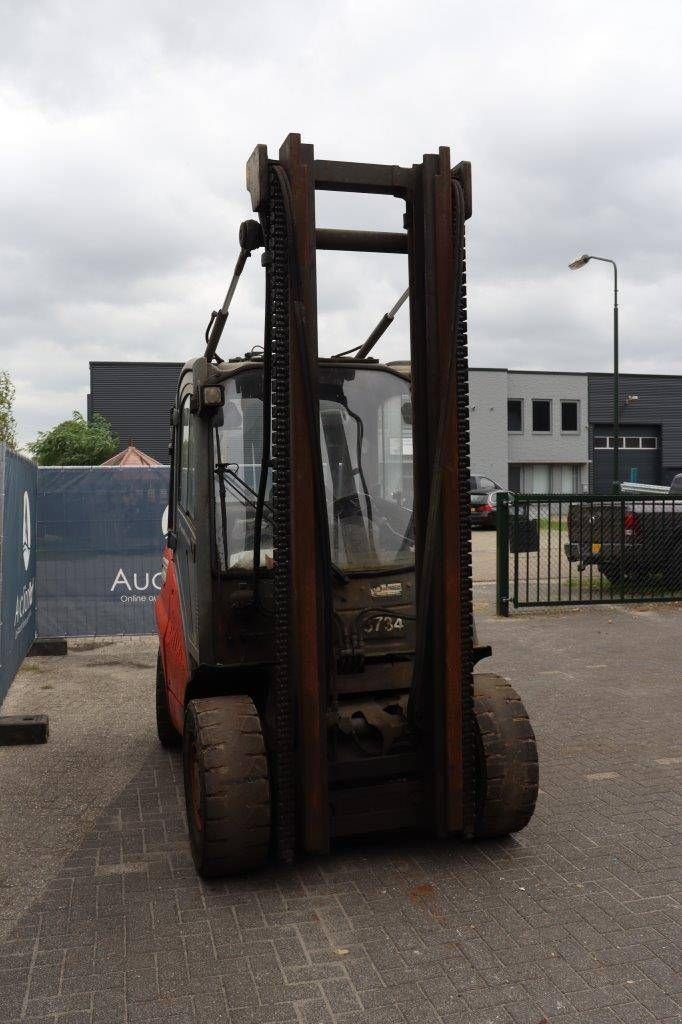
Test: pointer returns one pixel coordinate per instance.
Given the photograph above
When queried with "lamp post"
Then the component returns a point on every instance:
(576, 265)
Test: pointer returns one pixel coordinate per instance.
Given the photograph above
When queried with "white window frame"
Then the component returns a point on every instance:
(630, 437)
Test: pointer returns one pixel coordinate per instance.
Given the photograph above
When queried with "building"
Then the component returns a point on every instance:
(136, 399)
(131, 456)
(650, 415)
(531, 431)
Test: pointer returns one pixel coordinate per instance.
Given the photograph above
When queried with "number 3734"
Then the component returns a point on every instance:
(384, 624)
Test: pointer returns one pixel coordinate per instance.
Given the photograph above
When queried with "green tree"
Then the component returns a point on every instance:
(8, 424)
(75, 442)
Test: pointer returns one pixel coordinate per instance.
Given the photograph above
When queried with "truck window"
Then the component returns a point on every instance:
(366, 454)
(237, 451)
(186, 478)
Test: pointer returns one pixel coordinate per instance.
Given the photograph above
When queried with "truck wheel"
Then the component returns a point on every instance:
(227, 788)
(614, 573)
(506, 759)
(630, 578)
(169, 737)
(672, 573)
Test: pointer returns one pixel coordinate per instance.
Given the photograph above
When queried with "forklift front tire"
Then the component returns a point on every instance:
(169, 737)
(506, 759)
(227, 787)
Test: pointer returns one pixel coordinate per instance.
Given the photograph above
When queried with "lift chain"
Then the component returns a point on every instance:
(278, 285)
(467, 639)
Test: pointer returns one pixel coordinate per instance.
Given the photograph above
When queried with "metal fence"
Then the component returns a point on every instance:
(565, 549)
(100, 541)
(17, 562)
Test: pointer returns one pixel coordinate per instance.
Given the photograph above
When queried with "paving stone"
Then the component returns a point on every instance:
(210, 1008)
(576, 920)
(314, 1012)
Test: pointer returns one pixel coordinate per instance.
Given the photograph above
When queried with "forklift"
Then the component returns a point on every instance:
(315, 620)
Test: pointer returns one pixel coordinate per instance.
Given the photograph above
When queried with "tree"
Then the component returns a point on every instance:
(8, 424)
(75, 442)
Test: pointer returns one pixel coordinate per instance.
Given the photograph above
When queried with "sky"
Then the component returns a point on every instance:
(126, 128)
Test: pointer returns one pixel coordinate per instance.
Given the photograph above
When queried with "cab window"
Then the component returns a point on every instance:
(187, 461)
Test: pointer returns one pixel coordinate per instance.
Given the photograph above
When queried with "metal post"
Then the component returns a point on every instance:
(502, 517)
(582, 261)
(616, 403)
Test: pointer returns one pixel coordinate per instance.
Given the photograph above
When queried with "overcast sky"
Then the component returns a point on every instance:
(126, 126)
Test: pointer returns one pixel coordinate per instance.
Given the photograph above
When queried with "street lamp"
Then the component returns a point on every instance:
(576, 265)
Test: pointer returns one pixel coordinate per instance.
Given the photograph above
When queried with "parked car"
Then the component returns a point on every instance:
(484, 493)
(629, 541)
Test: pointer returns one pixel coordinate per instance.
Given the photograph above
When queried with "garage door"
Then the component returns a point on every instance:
(640, 456)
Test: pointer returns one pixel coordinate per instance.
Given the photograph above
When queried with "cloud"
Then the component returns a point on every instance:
(126, 128)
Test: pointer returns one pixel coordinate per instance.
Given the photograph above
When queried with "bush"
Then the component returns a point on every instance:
(8, 424)
(75, 442)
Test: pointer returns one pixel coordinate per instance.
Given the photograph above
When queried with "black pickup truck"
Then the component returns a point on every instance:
(634, 540)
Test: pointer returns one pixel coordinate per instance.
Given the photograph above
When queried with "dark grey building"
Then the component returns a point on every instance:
(650, 413)
(136, 399)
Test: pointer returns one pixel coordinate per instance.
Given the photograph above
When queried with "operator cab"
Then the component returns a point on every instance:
(365, 431)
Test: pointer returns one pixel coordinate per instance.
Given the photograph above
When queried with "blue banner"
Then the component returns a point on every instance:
(100, 541)
(17, 563)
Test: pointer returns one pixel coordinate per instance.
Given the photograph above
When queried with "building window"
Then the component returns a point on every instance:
(569, 417)
(542, 416)
(515, 478)
(631, 443)
(515, 415)
(546, 478)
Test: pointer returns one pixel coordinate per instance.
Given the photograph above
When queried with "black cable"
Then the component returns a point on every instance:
(223, 509)
(358, 454)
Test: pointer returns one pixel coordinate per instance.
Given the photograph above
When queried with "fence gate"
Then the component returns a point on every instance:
(555, 549)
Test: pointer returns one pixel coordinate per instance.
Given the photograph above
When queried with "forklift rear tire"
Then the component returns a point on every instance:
(169, 737)
(227, 787)
(506, 759)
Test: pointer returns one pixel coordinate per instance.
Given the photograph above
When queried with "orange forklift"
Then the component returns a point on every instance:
(316, 635)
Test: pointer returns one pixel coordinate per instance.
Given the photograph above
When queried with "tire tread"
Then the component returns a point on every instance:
(235, 785)
(507, 760)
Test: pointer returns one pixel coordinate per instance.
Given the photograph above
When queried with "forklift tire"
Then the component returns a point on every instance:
(169, 737)
(227, 787)
(506, 759)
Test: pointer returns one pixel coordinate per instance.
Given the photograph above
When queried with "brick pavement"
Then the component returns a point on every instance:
(577, 919)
